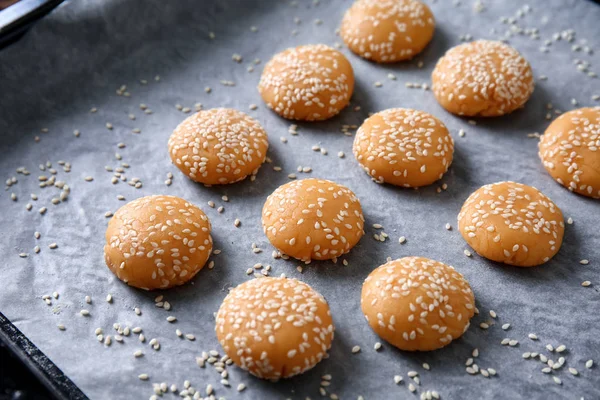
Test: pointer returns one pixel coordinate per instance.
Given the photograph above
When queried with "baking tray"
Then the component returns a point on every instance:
(79, 57)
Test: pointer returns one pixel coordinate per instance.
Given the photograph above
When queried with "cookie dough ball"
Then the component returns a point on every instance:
(310, 83)
(512, 223)
(417, 304)
(570, 151)
(157, 242)
(275, 327)
(218, 146)
(482, 79)
(387, 31)
(404, 147)
(313, 219)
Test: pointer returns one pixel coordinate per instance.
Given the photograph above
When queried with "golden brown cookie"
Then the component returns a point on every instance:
(275, 327)
(218, 146)
(512, 223)
(387, 31)
(310, 83)
(483, 78)
(404, 147)
(157, 242)
(417, 304)
(313, 219)
(570, 151)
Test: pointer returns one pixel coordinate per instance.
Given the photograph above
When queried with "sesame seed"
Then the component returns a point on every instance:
(426, 366)
(84, 313)
(412, 374)
(138, 353)
(557, 380)
(475, 353)
(402, 240)
(467, 253)
(143, 377)
(589, 364)
(584, 262)
(561, 348)
(484, 325)
(61, 327)
(397, 379)
(532, 336)
(171, 319)
(190, 337)
(355, 349)
(493, 314)
(377, 346)
(241, 387)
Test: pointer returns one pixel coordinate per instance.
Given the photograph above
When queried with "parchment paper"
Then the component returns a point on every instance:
(80, 55)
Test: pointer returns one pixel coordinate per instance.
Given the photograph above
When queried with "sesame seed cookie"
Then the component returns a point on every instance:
(404, 147)
(387, 31)
(275, 327)
(310, 83)
(483, 78)
(417, 304)
(218, 146)
(313, 219)
(512, 223)
(570, 151)
(157, 242)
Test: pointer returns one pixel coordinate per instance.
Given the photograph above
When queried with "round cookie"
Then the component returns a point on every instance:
(310, 83)
(157, 242)
(570, 151)
(313, 219)
(483, 78)
(275, 327)
(404, 147)
(417, 304)
(512, 223)
(387, 31)
(218, 146)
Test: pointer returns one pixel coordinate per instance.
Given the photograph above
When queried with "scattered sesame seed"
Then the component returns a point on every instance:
(589, 364)
(532, 336)
(143, 377)
(584, 262)
(467, 253)
(402, 240)
(426, 366)
(397, 379)
(355, 349)
(84, 313)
